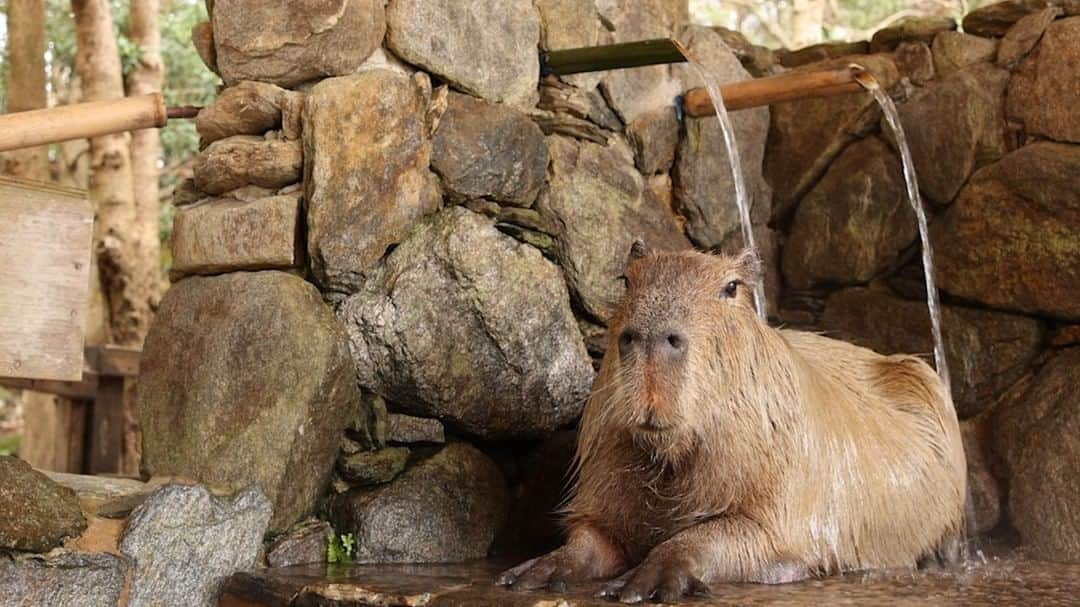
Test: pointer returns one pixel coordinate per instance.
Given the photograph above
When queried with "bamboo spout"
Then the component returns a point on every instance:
(775, 89)
(81, 120)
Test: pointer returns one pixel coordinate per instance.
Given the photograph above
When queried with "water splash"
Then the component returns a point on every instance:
(742, 200)
(933, 301)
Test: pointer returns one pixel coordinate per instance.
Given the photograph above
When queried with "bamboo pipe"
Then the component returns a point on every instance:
(775, 89)
(80, 121)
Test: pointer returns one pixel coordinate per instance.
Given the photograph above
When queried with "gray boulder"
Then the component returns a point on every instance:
(36, 513)
(185, 542)
(466, 324)
(366, 175)
(245, 379)
(287, 43)
(67, 580)
(446, 508)
(484, 47)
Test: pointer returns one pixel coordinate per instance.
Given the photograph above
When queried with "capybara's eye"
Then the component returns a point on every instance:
(731, 288)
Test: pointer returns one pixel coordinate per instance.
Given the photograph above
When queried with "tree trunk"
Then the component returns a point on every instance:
(26, 81)
(146, 77)
(121, 261)
(808, 17)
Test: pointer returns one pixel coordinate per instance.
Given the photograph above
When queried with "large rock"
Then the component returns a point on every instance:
(468, 325)
(222, 234)
(484, 47)
(704, 185)
(568, 24)
(372, 467)
(911, 29)
(995, 19)
(984, 489)
(288, 43)
(953, 126)
(67, 580)
(246, 379)
(596, 198)
(408, 429)
(1024, 34)
(446, 508)
(185, 542)
(487, 150)
(854, 223)
(986, 351)
(304, 544)
(957, 50)
(243, 160)
(1037, 434)
(36, 514)
(366, 174)
(806, 136)
(1043, 93)
(654, 135)
(1012, 238)
(635, 91)
(249, 108)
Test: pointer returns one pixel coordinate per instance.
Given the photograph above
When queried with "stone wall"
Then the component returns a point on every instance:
(395, 261)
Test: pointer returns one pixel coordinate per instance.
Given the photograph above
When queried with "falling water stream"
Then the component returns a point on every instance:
(742, 201)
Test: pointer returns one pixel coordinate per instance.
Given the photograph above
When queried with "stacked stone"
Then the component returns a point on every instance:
(454, 247)
(993, 126)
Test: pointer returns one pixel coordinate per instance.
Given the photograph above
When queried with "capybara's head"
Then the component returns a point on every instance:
(681, 333)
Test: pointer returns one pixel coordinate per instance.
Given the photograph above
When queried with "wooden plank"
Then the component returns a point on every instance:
(45, 239)
(84, 389)
(106, 449)
(118, 361)
(53, 432)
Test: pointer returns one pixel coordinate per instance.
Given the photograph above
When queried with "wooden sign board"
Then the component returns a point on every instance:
(45, 237)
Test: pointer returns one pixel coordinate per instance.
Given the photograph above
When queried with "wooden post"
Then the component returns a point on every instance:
(80, 121)
(774, 89)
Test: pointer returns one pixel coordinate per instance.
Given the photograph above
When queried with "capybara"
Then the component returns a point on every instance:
(715, 448)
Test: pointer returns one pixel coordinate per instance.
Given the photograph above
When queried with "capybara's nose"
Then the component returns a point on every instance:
(628, 340)
(671, 344)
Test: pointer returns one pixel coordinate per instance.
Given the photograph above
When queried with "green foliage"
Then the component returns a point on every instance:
(340, 548)
(9, 445)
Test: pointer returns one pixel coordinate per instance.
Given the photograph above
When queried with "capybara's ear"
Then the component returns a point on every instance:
(637, 250)
(749, 265)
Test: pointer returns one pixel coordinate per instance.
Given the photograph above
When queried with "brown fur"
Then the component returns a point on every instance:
(779, 453)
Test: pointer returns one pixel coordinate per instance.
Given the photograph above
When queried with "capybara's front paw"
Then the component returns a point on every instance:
(664, 579)
(552, 570)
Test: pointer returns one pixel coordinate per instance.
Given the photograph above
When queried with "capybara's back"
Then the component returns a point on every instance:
(715, 448)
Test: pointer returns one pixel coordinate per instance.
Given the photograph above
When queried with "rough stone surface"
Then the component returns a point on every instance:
(1043, 94)
(288, 43)
(408, 429)
(185, 542)
(465, 324)
(632, 92)
(914, 61)
(654, 135)
(1023, 35)
(222, 235)
(854, 223)
(241, 160)
(953, 126)
(446, 508)
(956, 50)
(246, 379)
(488, 150)
(821, 52)
(372, 467)
(806, 136)
(67, 580)
(306, 543)
(1012, 238)
(202, 38)
(36, 513)
(596, 198)
(249, 108)
(568, 24)
(911, 29)
(366, 174)
(995, 19)
(1037, 434)
(483, 47)
(986, 351)
(983, 488)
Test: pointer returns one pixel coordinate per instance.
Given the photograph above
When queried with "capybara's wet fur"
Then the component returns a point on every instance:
(715, 448)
